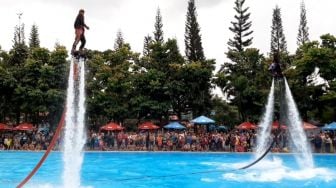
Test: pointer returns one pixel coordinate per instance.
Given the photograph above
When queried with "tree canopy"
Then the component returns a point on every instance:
(123, 84)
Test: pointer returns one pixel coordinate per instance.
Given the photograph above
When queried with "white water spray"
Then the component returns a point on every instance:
(263, 139)
(301, 146)
(74, 138)
(290, 113)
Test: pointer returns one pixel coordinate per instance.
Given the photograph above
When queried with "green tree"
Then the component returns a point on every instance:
(147, 42)
(39, 86)
(278, 40)
(109, 87)
(224, 113)
(19, 35)
(240, 28)
(244, 82)
(151, 79)
(158, 32)
(34, 41)
(197, 77)
(303, 35)
(119, 42)
(164, 82)
(315, 99)
(193, 40)
(19, 52)
(7, 85)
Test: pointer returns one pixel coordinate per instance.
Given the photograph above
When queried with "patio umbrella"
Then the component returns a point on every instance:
(24, 127)
(202, 120)
(112, 127)
(174, 125)
(331, 126)
(246, 125)
(148, 126)
(275, 125)
(4, 127)
(308, 126)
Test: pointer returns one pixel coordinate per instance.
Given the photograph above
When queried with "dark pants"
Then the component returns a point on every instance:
(79, 37)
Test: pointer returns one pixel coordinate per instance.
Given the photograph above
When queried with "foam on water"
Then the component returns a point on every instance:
(209, 180)
(270, 169)
(273, 170)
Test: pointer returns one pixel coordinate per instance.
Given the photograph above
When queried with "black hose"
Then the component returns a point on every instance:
(261, 157)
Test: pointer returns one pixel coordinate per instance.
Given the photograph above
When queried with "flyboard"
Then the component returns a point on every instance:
(77, 57)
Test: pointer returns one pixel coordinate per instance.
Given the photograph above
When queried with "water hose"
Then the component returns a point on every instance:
(45, 155)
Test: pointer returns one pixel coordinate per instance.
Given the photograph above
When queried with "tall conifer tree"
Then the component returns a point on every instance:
(119, 42)
(192, 40)
(34, 41)
(19, 36)
(19, 53)
(240, 28)
(303, 35)
(278, 40)
(158, 32)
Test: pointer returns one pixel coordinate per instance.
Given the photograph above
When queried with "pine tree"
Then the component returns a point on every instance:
(158, 33)
(192, 40)
(119, 42)
(303, 35)
(34, 40)
(147, 41)
(19, 53)
(278, 40)
(240, 28)
(19, 37)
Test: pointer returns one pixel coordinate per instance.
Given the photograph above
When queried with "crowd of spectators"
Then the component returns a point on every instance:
(31, 141)
(229, 141)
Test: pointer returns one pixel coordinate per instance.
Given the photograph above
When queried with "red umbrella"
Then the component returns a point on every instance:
(148, 126)
(246, 125)
(4, 127)
(275, 125)
(24, 127)
(308, 126)
(112, 127)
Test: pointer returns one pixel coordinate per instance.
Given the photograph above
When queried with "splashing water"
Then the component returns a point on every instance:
(304, 156)
(275, 170)
(290, 113)
(74, 137)
(265, 125)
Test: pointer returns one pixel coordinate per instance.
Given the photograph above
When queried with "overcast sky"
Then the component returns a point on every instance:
(135, 18)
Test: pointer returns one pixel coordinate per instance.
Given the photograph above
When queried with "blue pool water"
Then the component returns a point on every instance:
(187, 170)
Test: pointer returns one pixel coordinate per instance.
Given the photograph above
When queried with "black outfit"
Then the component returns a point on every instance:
(275, 70)
(79, 22)
(79, 26)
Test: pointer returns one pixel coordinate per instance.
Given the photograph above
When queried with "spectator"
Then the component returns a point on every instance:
(318, 143)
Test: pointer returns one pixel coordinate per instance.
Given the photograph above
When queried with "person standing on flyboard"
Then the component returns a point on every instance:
(79, 31)
(275, 67)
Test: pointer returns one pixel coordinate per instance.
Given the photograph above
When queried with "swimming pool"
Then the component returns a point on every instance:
(187, 170)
